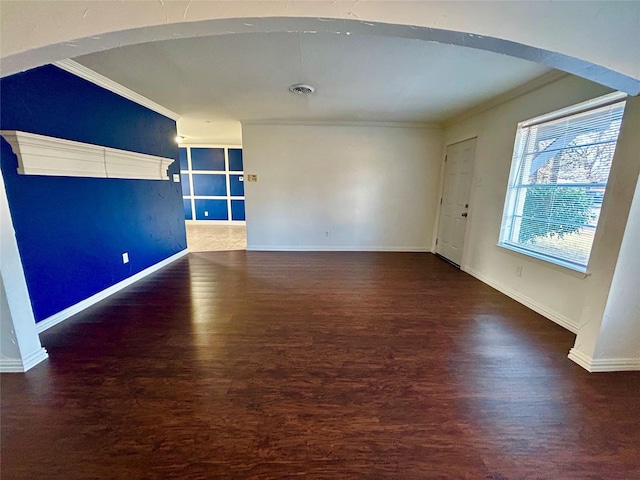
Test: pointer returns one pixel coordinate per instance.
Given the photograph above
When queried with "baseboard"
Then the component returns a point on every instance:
(12, 365)
(92, 300)
(604, 364)
(325, 248)
(554, 316)
(581, 359)
(217, 222)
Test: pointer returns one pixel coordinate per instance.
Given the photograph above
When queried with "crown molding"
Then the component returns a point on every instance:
(343, 123)
(514, 93)
(108, 84)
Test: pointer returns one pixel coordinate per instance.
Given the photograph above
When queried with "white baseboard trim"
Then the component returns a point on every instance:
(14, 365)
(87, 302)
(216, 222)
(604, 364)
(324, 248)
(581, 359)
(554, 316)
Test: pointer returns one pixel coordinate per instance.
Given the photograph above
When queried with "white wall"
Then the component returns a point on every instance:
(620, 331)
(556, 292)
(204, 132)
(371, 187)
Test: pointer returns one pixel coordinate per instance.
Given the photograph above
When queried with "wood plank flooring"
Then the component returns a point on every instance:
(315, 365)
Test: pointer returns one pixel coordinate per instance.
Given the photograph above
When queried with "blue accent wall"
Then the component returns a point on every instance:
(210, 185)
(72, 231)
(236, 185)
(237, 210)
(235, 159)
(207, 159)
(184, 163)
(207, 209)
(188, 215)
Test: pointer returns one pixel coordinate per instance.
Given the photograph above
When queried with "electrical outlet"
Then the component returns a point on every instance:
(176, 177)
(206, 214)
(326, 233)
(518, 271)
(125, 257)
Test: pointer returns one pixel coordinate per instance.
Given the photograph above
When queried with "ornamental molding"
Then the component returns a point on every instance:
(43, 155)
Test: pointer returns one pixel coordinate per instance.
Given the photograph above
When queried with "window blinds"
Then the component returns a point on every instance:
(558, 178)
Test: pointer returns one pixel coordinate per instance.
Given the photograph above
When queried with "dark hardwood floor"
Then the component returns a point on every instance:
(315, 365)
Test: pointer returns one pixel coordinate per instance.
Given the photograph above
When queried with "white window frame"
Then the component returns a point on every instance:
(514, 201)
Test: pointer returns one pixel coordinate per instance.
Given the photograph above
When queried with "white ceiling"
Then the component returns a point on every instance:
(220, 80)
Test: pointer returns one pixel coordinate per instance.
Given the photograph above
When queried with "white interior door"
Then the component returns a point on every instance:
(458, 169)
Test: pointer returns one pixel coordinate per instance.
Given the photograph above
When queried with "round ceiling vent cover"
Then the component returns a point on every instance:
(302, 89)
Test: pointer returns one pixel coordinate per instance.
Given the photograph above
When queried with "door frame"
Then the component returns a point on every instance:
(472, 191)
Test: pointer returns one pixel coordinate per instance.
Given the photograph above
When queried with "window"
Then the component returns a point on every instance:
(559, 174)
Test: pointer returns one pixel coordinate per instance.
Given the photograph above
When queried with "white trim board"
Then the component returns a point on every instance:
(604, 364)
(43, 155)
(12, 365)
(81, 71)
(552, 315)
(240, 223)
(530, 86)
(344, 123)
(324, 248)
(92, 300)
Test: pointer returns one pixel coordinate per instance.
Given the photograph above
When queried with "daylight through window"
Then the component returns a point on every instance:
(559, 174)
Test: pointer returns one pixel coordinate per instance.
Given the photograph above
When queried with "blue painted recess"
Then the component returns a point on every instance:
(211, 185)
(211, 209)
(72, 231)
(237, 209)
(236, 185)
(235, 159)
(188, 214)
(184, 180)
(207, 159)
(184, 164)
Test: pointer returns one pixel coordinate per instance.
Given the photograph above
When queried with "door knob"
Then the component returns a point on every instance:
(464, 214)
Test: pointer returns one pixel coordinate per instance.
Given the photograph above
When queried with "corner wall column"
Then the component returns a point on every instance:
(608, 339)
(20, 347)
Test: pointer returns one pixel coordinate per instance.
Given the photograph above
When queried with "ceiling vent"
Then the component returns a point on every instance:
(302, 89)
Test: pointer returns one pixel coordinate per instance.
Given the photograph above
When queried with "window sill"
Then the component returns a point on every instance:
(542, 260)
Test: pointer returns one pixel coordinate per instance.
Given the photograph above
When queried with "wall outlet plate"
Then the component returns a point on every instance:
(125, 257)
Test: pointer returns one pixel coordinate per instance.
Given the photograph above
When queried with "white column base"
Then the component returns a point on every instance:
(604, 364)
(17, 365)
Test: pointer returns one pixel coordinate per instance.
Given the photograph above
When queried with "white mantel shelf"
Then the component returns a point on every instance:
(43, 155)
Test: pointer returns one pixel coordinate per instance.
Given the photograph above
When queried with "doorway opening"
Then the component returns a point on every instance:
(212, 178)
